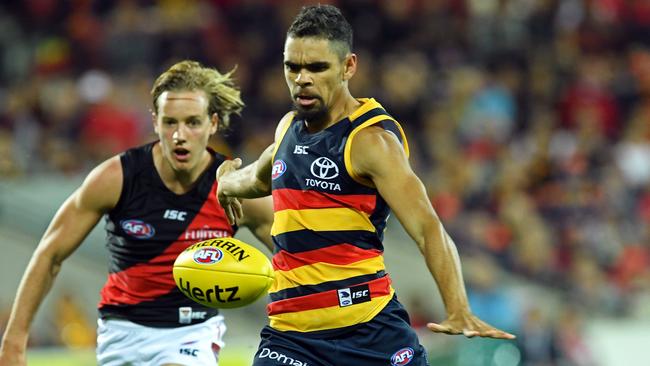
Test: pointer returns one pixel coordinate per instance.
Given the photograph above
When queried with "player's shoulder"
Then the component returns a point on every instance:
(284, 124)
(373, 146)
(106, 174)
(103, 185)
(138, 157)
(374, 134)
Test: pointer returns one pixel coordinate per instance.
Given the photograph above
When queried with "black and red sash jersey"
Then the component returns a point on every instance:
(328, 227)
(148, 228)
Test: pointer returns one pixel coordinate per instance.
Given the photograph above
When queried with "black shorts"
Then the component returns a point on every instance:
(386, 340)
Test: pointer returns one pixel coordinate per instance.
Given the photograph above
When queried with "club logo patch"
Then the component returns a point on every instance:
(279, 167)
(137, 229)
(208, 255)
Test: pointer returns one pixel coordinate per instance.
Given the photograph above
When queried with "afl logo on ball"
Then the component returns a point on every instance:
(279, 167)
(137, 229)
(402, 357)
(208, 256)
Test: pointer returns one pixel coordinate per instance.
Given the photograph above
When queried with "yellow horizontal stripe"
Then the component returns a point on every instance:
(320, 219)
(331, 317)
(316, 273)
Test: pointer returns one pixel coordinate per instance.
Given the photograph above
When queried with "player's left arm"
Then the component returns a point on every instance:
(258, 218)
(378, 156)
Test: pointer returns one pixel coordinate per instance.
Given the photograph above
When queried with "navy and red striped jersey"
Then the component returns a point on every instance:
(328, 228)
(146, 231)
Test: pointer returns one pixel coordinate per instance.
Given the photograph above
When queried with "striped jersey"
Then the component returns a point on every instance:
(146, 231)
(328, 228)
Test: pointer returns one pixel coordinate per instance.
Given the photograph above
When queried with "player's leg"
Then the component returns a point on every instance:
(387, 339)
(197, 344)
(290, 348)
(116, 343)
(120, 343)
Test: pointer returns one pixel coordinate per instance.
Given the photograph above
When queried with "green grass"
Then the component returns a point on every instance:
(230, 356)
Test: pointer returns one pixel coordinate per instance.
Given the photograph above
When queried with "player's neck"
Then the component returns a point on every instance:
(346, 105)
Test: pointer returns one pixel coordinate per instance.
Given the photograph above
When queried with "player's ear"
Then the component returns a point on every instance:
(214, 123)
(349, 66)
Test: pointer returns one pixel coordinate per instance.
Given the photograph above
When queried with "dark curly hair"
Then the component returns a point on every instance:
(323, 21)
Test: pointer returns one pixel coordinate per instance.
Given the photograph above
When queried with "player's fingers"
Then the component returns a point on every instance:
(499, 334)
(228, 166)
(237, 208)
(470, 333)
(236, 163)
(230, 214)
(439, 328)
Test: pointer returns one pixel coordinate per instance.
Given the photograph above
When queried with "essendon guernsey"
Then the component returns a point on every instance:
(146, 231)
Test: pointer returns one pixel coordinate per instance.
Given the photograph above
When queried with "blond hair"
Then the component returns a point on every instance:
(223, 95)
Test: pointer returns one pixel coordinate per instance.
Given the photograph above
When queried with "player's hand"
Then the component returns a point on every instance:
(232, 205)
(470, 326)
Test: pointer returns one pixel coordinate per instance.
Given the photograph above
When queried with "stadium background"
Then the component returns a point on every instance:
(529, 122)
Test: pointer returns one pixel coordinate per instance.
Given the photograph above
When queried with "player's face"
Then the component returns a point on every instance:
(184, 127)
(315, 74)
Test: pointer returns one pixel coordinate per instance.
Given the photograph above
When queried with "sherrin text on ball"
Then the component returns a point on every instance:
(223, 273)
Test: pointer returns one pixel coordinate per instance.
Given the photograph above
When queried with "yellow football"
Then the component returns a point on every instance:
(223, 273)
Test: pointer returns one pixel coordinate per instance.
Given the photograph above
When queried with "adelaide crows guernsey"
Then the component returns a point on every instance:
(147, 229)
(328, 228)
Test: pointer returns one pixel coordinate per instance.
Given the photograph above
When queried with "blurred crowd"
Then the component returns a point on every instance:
(529, 120)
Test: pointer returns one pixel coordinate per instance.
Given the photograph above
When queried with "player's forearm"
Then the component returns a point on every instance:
(443, 262)
(244, 183)
(35, 284)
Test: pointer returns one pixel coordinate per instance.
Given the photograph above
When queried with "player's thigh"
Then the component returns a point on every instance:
(278, 348)
(386, 339)
(193, 345)
(124, 343)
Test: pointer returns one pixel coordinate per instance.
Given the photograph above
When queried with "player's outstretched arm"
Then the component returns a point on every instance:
(252, 181)
(248, 182)
(258, 217)
(378, 156)
(71, 224)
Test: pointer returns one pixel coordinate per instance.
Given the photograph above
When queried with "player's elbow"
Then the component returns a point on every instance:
(48, 259)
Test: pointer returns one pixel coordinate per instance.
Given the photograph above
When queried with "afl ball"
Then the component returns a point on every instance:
(223, 273)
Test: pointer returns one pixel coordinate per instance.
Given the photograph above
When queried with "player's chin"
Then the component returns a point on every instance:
(182, 166)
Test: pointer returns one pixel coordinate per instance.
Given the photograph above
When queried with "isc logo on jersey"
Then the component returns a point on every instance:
(279, 167)
(402, 357)
(137, 229)
(208, 255)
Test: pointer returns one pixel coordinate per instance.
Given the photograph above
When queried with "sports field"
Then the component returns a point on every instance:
(230, 356)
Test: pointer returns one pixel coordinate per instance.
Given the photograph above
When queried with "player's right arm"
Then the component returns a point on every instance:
(76, 217)
(252, 181)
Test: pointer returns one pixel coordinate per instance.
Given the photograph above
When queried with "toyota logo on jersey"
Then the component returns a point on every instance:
(324, 168)
(208, 256)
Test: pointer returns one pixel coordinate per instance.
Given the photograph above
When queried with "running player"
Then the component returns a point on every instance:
(157, 199)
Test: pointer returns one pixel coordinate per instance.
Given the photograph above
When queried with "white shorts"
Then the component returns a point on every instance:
(121, 342)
